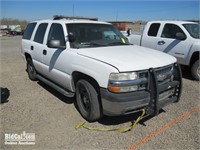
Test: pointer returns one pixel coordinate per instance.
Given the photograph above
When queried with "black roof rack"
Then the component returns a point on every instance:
(58, 17)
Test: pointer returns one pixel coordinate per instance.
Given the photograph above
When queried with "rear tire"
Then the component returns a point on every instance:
(195, 70)
(88, 101)
(31, 70)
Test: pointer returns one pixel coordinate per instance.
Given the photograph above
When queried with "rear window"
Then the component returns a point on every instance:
(39, 36)
(29, 30)
(153, 30)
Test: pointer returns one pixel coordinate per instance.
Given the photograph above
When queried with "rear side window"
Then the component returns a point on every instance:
(153, 30)
(39, 36)
(29, 30)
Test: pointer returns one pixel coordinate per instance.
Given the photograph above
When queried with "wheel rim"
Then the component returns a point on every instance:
(30, 69)
(84, 99)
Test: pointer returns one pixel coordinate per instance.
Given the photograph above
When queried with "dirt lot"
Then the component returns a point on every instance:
(33, 107)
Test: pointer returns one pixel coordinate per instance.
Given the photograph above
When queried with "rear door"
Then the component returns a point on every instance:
(37, 46)
(150, 35)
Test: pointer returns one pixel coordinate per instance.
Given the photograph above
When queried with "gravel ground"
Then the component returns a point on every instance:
(34, 107)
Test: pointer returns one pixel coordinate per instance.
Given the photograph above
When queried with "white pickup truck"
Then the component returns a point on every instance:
(177, 38)
(94, 62)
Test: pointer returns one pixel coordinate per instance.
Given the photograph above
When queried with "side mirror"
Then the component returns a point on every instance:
(129, 32)
(180, 36)
(55, 44)
(71, 37)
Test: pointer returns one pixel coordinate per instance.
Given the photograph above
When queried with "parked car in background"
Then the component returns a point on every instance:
(177, 38)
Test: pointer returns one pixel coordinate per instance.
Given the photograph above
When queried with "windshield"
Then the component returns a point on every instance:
(95, 35)
(193, 29)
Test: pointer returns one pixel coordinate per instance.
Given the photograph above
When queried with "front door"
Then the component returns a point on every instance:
(169, 44)
(54, 59)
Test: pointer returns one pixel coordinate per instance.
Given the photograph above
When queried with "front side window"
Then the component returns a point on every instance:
(95, 35)
(170, 30)
(56, 33)
(39, 36)
(29, 30)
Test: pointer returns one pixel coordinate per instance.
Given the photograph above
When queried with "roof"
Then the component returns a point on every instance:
(69, 20)
(59, 17)
(171, 21)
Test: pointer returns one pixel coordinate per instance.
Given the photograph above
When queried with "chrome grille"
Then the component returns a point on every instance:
(164, 74)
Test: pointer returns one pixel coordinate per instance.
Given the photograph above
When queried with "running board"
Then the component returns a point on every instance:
(54, 86)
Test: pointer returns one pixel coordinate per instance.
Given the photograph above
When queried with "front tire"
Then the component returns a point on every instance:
(195, 70)
(88, 101)
(31, 70)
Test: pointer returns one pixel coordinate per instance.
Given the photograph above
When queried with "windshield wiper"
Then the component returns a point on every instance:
(118, 43)
(91, 44)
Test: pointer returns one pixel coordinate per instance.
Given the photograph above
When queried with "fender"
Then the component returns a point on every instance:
(194, 48)
(92, 68)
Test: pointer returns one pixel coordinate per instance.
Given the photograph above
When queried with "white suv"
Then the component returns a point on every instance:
(94, 62)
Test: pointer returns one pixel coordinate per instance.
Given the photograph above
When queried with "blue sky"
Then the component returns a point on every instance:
(120, 10)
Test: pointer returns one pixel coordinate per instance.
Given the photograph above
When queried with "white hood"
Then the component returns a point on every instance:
(129, 58)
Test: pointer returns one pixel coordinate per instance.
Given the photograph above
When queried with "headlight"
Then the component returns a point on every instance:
(123, 76)
(123, 82)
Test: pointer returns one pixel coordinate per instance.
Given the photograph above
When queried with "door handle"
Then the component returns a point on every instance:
(44, 52)
(161, 42)
(32, 48)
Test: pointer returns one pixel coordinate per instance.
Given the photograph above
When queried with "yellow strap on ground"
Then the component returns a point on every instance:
(121, 130)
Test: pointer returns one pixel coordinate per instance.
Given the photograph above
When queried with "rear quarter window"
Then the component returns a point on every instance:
(153, 30)
(29, 30)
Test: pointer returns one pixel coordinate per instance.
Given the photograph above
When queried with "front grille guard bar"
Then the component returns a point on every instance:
(155, 89)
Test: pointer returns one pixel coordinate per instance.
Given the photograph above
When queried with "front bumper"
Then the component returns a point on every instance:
(153, 99)
(120, 104)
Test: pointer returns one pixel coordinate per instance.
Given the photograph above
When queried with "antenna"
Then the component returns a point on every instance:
(73, 10)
